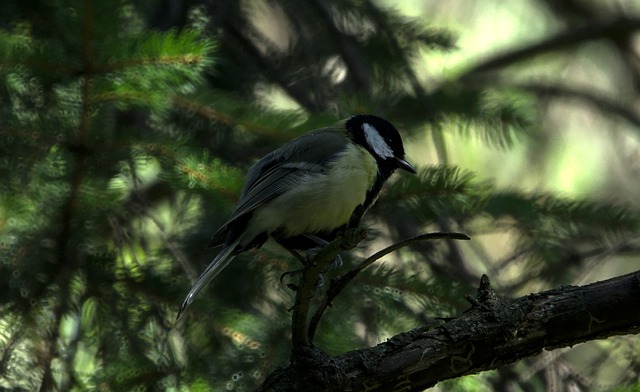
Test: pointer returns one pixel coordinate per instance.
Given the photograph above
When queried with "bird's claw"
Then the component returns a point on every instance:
(311, 254)
(285, 274)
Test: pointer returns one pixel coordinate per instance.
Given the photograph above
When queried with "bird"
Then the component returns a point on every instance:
(307, 191)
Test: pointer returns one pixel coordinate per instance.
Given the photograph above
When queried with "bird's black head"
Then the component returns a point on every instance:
(381, 139)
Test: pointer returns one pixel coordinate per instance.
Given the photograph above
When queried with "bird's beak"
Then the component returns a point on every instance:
(404, 165)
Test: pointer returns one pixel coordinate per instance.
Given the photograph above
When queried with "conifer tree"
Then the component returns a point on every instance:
(125, 130)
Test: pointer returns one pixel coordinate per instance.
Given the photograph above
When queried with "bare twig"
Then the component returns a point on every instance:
(422, 237)
(337, 285)
(319, 263)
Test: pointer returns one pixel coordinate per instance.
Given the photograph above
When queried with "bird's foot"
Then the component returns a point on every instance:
(291, 286)
(311, 255)
(294, 287)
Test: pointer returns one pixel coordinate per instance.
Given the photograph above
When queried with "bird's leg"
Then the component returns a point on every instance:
(298, 256)
(308, 260)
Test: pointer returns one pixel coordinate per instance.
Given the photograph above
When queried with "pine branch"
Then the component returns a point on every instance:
(613, 30)
(494, 332)
(594, 99)
(544, 90)
(66, 260)
(235, 28)
(348, 47)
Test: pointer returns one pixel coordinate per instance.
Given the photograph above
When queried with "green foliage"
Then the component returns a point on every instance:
(440, 191)
(560, 232)
(465, 384)
(123, 145)
(498, 118)
(630, 388)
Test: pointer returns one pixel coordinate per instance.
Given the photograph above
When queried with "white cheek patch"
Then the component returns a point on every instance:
(377, 143)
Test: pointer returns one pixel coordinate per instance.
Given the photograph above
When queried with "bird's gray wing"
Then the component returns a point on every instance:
(281, 169)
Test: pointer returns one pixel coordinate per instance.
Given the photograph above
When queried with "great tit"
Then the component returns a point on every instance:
(305, 192)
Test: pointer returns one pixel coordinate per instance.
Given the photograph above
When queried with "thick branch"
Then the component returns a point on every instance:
(494, 332)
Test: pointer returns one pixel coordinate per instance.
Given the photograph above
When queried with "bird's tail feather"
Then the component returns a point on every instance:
(213, 269)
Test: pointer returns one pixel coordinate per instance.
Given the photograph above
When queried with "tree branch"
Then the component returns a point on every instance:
(309, 282)
(348, 47)
(613, 30)
(595, 99)
(338, 284)
(495, 332)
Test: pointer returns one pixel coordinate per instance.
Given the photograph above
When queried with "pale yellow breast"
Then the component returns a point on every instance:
(323, 202)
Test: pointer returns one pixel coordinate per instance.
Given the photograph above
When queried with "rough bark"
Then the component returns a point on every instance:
(494, 332)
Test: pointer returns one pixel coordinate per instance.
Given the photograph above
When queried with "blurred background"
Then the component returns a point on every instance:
(126, 128)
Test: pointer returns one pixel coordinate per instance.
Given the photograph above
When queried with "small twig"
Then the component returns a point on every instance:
(422, 237)
(319, 262)
(338, 284)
